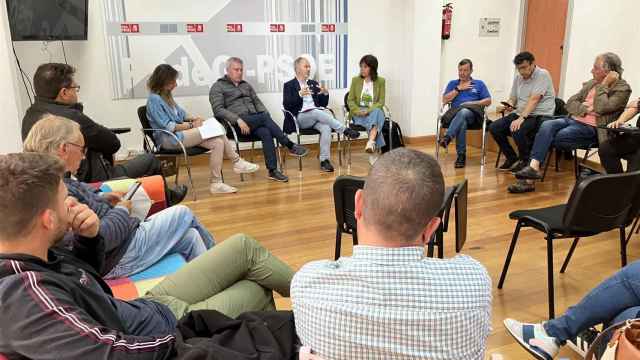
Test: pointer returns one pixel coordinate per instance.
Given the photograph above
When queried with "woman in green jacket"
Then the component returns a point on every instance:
(366, 100)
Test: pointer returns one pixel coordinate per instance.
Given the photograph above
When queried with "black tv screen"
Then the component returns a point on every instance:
(47, 20)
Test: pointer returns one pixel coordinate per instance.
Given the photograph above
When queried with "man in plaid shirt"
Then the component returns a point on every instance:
(389, 301)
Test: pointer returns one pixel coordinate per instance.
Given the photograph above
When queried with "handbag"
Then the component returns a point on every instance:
(623, 345)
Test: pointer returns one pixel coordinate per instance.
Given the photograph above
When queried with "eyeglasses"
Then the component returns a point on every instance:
(82, 148)
(77, 87)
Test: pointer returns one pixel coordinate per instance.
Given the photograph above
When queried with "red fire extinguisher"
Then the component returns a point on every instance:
(447, 14)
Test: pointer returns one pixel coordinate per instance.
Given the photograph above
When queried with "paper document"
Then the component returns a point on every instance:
(211, 128)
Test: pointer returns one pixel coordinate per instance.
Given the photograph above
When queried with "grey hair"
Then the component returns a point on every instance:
(403, 192)
(299, 60)
(49, 133)
(233, 60)
(611, 62)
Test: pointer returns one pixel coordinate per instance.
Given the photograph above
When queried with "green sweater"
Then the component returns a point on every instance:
(355, 92)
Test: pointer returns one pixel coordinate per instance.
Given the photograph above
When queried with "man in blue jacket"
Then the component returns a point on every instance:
(305, 99)
(54, 305)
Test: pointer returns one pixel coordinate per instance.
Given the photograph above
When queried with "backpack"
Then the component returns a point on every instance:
(397, 140)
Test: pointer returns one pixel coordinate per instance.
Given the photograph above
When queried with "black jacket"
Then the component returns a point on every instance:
(292, 101)
(61, 309)
(101, 142)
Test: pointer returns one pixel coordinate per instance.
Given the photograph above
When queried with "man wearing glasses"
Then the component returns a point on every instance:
(57, 94)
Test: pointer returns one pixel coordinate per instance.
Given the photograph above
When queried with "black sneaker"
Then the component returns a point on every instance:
(444, 142)
(521, 187)
(460, 161)
(507, 164)
(276, 175)
(351, 134)
(325, 165)
(298, 150)
(177, 194)
(518, 166)
(581, 343)
(528, 173)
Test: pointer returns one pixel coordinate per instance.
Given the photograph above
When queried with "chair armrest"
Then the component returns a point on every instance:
(295, 119)
(184, 150)
(122, 130)
(230, 126)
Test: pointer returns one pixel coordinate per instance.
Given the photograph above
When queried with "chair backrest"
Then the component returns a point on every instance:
(460, 196)
(148, 142)
(344, 193)
(602, 202)
(346, 101)
(560, 108)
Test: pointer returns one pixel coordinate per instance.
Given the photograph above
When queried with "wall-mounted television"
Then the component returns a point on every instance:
(48, 20)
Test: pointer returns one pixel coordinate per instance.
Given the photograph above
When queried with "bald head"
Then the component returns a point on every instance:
(402, 194)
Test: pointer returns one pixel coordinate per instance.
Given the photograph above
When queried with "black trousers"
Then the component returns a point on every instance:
(617, 147)
(140, 166)
(524, 137)
(263, 127)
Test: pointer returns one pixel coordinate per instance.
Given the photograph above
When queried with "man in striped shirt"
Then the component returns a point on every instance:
(388, 301)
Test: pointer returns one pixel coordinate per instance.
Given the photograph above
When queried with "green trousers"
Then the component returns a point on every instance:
(235, 276)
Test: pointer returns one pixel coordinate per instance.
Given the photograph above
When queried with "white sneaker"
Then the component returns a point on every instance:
(244, 167)
(221, 188)
(371, 147)
(373, 158)
(533, 338)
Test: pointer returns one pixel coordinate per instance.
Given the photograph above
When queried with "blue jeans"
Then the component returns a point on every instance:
(324, 123)
(263, 127)
(458, 129)
(614, 300)
(565, 133)
(174, 230)
(375, 118)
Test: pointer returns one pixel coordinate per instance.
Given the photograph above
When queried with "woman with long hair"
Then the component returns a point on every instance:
(164, 113)
(366, 100)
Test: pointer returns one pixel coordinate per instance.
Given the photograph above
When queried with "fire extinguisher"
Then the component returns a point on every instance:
(447, 14)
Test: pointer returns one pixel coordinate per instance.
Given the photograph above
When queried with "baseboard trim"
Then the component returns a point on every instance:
(420, 140)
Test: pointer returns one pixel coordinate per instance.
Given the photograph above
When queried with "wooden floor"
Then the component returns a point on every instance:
(296, 222)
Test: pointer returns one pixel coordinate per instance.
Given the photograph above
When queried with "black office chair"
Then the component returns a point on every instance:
(597, 204)
(238, 137)
(166, 156)
(290, 125)
(344, 193)
(349, 122)
(455, 194)
(482, 126)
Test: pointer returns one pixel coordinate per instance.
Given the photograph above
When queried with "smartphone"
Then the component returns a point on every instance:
(504, 103)
(132, 190)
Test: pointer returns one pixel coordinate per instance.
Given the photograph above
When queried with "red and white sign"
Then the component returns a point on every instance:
(195, 28)
(276, 27)
(129, 28)
(328, 27)
(234, 27)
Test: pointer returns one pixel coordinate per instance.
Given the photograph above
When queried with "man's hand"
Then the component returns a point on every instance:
(304, 91)
(516, 124)
(611, 77)
(504, 108)
(113, 197)
(82, 220)
(465, 86)
(126, 204)
(244, 128)
(324, 90)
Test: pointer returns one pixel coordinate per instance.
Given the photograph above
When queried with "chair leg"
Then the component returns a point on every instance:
(576, 171)
(193, 189)
(507, 261)
(557, 160)
(339, 151)
(546, 164)
(299, 158)
(550, 285)
(177, 170)
(338, 242)
(238, 152)
(623, 247)
(498, 158)
(440, 239)
(438, 139)
(431, 245)
(569, 255)
(484, 146)
(634, 228)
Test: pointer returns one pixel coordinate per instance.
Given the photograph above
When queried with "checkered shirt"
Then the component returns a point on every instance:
(393, 303)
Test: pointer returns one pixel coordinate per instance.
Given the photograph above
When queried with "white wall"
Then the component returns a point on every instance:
(597, 27)
(491, 56)
(9, 101)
